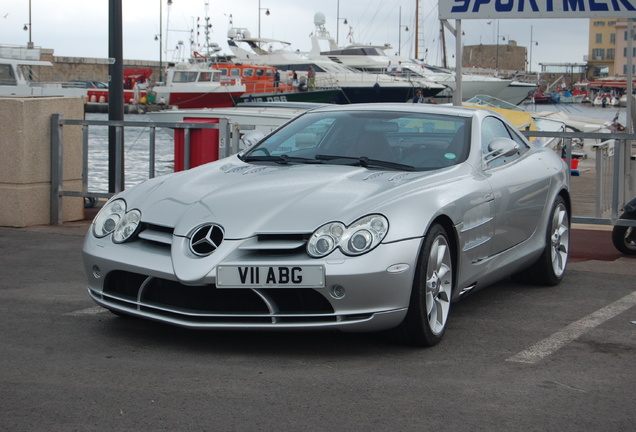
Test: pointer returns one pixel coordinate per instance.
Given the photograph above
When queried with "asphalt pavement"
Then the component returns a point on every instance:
(514, 358)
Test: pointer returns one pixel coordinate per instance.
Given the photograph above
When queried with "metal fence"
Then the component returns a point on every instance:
(228, 145)
(615, 165)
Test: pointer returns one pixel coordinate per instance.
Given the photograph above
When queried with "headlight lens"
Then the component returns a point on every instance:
(127, 226)
(360, 237)
(113, 219)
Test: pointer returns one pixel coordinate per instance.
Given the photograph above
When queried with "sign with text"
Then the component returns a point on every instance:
(504, 9)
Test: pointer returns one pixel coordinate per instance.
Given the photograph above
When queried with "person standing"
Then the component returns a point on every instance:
(276, 80)
(311, 74)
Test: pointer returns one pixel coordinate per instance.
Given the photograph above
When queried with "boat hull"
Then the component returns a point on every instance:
(201, 100)
(317, 96)
(380, 93)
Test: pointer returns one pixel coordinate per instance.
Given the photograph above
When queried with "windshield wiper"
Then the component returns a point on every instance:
(364, 162)
(281, 159)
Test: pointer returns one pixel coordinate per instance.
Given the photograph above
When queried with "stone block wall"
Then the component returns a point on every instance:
(25, 164)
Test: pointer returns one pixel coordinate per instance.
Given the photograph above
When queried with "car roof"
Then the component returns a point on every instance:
(404, 107)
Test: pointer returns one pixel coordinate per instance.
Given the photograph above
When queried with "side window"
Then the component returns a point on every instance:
(491, 129)
(6, 75)
(523, 145)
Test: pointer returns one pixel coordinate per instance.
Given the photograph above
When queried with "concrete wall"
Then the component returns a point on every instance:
(25, 149)
(87, 69)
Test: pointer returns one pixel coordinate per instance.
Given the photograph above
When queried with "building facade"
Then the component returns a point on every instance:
(620, 62)
(602, 47)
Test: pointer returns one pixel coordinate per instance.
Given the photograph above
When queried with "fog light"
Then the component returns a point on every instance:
(338, 291)
(97, 272)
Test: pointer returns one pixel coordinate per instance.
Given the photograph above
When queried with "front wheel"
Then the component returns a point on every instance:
(431, 294)
(624, 237)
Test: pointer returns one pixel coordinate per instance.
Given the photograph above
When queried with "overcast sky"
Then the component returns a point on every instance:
(79, 28)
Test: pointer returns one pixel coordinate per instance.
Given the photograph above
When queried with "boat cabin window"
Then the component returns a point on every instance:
(269, 72)
(205, 77)
(248, 72)
(7, 77)
(183, 77)
(223, 71)
(260, 72)
(299, 67)
(236, 72)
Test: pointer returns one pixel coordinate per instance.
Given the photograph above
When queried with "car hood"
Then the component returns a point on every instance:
(248, 198)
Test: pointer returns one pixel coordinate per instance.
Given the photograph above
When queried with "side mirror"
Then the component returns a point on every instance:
(501, 147)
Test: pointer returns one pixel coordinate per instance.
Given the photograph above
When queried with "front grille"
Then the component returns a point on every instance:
(206, 304)
(156, 235)
(276, 244)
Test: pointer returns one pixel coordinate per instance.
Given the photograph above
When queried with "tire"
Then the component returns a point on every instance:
(624, 237)
(550, 267)
(89, 202)
(431, 294)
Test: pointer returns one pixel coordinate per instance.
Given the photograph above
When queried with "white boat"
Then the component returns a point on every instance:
(517, 92)
(605, 99)
(568, 97)
(586, 148)
(195, 84)
(17, 79)
(373, 59)
(356, 86)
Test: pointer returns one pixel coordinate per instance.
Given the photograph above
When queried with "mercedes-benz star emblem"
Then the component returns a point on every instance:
(206, 239)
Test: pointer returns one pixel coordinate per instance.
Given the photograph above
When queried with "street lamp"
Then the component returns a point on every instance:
(400, 33)
(345, 22)
(259, 17)
(27, 26)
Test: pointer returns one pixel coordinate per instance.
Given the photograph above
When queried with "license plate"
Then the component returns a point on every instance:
(270, 276)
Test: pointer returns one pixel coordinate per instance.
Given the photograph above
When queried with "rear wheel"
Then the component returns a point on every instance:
(550, 268)
(624, 237)
(429, 307)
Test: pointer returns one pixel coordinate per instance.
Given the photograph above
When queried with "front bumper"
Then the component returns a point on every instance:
(140, 280)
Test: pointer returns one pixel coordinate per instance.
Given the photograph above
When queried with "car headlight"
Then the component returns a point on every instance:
(360, 237)
(114, 219)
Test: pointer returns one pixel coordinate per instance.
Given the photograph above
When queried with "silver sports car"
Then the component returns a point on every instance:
(357, 218)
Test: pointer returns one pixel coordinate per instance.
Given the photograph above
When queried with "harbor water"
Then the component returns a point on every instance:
(136, 152)
(137, 142)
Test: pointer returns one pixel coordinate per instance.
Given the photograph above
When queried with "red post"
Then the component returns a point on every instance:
(204, 144)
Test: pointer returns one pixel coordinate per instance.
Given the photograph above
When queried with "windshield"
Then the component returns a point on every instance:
(374, 139)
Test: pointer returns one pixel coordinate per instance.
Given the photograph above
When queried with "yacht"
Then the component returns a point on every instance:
(17, 80)
(373, 59)
(356, 86)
